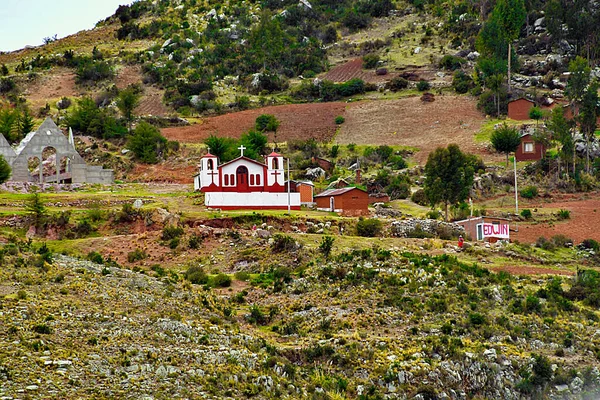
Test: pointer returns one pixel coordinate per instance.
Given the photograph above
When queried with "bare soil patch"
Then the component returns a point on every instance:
(353, 69)
(59, 83)
(411, 122)
(128, 75)
(151, 103)
(162, 172)
(515, 270)
(583, 223)
(298, 122)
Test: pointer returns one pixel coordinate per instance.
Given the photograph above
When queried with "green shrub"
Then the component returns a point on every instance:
(174, 243)
(451, 63)
(526, 213)
(171, 232)
(136, 255)
(93, 71)
(397, 83)
(283, 243)
(194, 242)
(545, 244)
(370, 61)
(423, 85)
(590, 244)
(95, 257)
(476, 319)
(369, 227)
(420, 198)
(196, 275)
(564, 214)
(529, 192)
(461, 82)
(42, 329)
(242, 276)
(339, 120)
(220, 280)
(146, 143)
(326, 245)
(562, 240)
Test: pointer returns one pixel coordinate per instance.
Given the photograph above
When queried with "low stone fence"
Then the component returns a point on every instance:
(408, 227)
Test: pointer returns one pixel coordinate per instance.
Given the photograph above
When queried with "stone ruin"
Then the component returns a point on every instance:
(64, 166)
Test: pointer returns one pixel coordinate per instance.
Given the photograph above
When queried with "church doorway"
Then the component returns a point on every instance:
(242, 178)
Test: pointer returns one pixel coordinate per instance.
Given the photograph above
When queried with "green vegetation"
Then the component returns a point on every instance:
(147, 143)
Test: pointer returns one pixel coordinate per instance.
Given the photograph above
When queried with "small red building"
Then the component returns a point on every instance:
(305, 188)
(529, 150)
(349, 201)
(487, 229)
(519, 109)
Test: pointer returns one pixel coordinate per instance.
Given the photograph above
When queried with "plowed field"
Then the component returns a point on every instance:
(298, 122)
(411, 122)
(583, 223)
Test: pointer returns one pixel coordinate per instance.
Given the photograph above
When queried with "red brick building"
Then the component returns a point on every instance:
(487, 229)
(305, 188)
(519, 109)
(529, 150)
(347, 201)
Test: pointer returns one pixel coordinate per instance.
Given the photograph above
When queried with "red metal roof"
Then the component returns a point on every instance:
(337, 192)
(273, 154)
(209, 155)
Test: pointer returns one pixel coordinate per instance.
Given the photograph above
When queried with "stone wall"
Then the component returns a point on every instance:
(407, 227)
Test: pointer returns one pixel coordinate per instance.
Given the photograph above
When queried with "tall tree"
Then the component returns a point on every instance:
(579, 79)
(220, 147)
(26, 123)
(267, 123)
(9, 120)
(127, 100)
(561, 132)
(146, 143)
(448, 176)
(506, 139)
(5, 170)
(588, 115)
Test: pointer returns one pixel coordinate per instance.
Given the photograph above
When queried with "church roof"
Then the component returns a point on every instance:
(242, 158)
(208, 155)
(273, 154)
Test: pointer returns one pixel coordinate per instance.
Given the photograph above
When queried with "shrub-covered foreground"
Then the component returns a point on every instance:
(367, 323)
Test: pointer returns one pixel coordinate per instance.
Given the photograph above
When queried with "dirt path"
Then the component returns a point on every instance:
(514, 270)
(411, 122)
(298, 122)
(583, 223)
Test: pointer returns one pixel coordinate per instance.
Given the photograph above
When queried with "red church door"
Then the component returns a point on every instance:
(242, 178)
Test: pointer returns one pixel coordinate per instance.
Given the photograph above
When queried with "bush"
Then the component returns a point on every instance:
(146, 143)
(136, 255)
(476, 319)
(562, 241)
(283, 243)
(526, 213)
(564, 214)
(397, 83)
(451, 63)
(42, 329)
(339, 120)
(461, 82)
(529, 192)
(221, 280)
(95, 257)
(196, 275)
(194, 242)
(326, 245)
(545, 244)
(420, 198)
(370, 61)
(369, 227)
(590, 244)
(93, 71)
(171, 232)
(423, 85)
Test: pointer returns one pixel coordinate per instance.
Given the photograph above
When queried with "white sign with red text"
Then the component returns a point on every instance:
(499, 231)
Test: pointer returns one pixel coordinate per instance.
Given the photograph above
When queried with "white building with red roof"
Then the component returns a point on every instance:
(244, 183)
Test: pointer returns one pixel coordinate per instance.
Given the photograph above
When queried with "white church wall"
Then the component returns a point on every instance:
(252, 199)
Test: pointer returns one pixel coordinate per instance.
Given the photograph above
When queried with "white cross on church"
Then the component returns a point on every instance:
(241, 149)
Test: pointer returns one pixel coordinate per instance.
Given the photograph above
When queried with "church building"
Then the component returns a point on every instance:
(244, 183)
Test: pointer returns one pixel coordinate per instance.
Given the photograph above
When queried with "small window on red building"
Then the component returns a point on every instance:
(231, 180)
(528, 147)
(251, 179)
(258, 179)
(226, 180)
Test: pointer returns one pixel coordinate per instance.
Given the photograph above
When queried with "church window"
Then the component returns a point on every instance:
(252, 179)
(210, 165)
(231, 180)
(258, 179)
(275, 163)
(226, 180)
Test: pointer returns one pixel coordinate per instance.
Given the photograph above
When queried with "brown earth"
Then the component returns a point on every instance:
(298, 122)
(514, 270)
(353, 69)
(411, 122)
(583, 223)
(151, 99)
(60, 83)
(162, 173)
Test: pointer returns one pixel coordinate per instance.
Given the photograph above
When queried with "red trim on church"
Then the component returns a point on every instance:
(295, 208)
